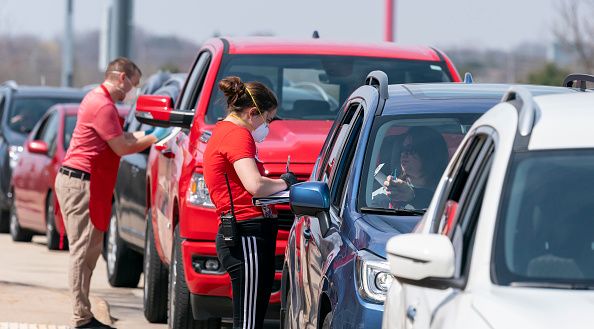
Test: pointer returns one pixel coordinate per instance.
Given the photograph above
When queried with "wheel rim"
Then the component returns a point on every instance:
(112, 247)
(50, 222)
(14, 224)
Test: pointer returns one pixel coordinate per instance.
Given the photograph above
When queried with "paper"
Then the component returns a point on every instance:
(379, 176)
(276, 198)
(167, 138)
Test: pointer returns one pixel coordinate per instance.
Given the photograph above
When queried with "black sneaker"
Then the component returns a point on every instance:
(94, 324)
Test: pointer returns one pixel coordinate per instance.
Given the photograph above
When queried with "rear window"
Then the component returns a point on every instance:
(69, 124)
(25, 112)
(314, 87)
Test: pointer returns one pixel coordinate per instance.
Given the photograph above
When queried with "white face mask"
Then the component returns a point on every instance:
(131, 96)
(261, 132)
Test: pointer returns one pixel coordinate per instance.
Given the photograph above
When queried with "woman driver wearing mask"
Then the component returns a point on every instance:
(231, 151)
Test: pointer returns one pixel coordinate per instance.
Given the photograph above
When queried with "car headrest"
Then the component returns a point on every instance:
(308, 107)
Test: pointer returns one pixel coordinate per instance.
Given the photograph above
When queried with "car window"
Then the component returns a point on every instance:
(545, 225)
(69, 124)
(26, 111)
(338, 182)
(414, 150)
(50, 133)
(313, 87)
(194, 83)
(331, 156)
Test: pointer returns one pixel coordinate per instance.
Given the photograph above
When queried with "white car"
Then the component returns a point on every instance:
(508, 239)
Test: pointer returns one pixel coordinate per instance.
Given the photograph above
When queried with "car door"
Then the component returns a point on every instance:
(24, 180)
(318, 243)
(171, 157)
(131, 189)
(41, 166)
(458, 207)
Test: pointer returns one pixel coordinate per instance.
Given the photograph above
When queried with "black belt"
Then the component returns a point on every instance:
(75, 173)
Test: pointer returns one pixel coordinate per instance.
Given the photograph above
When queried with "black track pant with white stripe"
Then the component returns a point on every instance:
(250, 263)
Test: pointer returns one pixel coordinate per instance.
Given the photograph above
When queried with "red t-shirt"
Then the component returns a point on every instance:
(97, 122)
(229, 143)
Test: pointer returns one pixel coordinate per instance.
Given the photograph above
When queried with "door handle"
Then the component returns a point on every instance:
(168, 153)
(306, 233)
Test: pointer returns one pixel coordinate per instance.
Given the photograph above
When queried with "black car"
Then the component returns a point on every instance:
(20, 109)
(124, 242)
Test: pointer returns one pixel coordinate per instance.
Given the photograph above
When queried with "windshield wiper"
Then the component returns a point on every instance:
(399, 212)
(554, 285)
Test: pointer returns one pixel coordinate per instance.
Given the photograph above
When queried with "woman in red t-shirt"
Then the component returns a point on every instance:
(246, 252)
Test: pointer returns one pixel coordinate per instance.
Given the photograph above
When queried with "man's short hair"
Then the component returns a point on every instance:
(123, 64)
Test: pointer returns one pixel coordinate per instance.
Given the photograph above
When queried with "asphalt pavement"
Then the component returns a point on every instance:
(34, 290)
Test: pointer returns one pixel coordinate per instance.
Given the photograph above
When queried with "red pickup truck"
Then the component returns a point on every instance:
(311, 79)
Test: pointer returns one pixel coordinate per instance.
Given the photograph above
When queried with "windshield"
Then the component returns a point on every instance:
(69, 124)
(545, 231)
(312, 87)
(414, 150)
(25, 112)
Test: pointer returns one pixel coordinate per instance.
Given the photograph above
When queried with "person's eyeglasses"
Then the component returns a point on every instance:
(408, 149)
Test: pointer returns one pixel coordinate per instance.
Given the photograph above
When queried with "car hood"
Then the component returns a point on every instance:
(535, 308)
(371, 232)
(300, 139)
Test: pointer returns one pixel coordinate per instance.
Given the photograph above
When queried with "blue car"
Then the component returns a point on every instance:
(335, 272)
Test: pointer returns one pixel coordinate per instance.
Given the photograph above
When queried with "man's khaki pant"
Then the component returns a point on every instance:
(85, 242)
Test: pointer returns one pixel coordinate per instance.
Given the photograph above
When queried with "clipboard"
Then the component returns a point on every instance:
(276, 198)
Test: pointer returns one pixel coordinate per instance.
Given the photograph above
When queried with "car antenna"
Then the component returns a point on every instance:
(316, 34)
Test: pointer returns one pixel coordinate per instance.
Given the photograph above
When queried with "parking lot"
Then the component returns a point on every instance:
(34, 292)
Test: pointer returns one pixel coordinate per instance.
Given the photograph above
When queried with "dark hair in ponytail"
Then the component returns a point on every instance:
(238, 95)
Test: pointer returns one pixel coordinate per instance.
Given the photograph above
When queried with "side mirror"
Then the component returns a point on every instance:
(425, 260)
(38, 147)
(156, 110)
(309, 198)
(312, 199)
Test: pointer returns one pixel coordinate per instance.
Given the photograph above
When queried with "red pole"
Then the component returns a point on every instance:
(389, 21)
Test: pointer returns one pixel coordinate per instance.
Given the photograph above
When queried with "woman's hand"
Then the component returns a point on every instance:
(399, 190)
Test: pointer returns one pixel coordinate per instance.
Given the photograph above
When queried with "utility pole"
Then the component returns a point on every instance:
(121, 29)
(67, 41)
(389, 24)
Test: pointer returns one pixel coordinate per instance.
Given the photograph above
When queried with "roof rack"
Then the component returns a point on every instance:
(468, 77)
(527, 112)
(577, 77)
(10, 84)
(379, 80)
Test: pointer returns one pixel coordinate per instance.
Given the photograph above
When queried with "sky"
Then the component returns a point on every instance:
(495, 24)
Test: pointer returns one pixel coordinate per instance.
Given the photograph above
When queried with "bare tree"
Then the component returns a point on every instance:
(575, 30)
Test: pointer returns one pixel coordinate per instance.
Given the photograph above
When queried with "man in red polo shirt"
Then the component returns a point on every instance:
(84, 186)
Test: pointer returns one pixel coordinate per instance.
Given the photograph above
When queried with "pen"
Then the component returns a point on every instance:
(288, 163)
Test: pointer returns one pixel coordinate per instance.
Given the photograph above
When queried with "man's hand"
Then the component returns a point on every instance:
(289, 178)
(399, 190)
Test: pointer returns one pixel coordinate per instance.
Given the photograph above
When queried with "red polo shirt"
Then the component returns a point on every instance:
(229, 143)
(97, 122)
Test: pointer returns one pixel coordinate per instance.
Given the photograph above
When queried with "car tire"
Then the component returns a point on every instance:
(18, 233)
(327, 324)
(179, 307)
(4, 221)
(51, 231)
(155, 279)
(124, 265)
